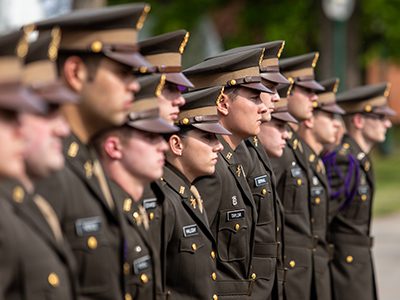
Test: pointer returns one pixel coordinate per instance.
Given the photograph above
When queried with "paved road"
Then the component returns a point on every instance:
(387, 256)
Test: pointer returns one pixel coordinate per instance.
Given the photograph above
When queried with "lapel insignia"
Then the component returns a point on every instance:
(311, 158)
(229, 155)
(73, 149)
(239, 170)
(300, 147)
(255, 141)
(193, 202)
(367, 166)
(360, 155)
(88, 169)
(234, 200)
(290, 135)
(127, 204)
(181, 190)
(18, 194)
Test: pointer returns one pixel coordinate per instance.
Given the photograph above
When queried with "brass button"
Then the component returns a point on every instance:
(215, 297)
(213, 254)
(214, 276)
(253, 276)
(127, 268)
(317, 200)
(292, 263)
(194, 246)
(264, 191)
(53, 279)
(364, 197)
(128, 296)
(96, 46)
(144, 278)
(349, 259)
(299, 181)
(237, 227)
(232, 82)
(151, 216)
(92, 242)
(185, 121)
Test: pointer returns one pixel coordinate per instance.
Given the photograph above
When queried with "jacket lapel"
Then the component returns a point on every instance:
(80, 161)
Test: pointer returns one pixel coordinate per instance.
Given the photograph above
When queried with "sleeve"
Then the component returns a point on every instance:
(7, 257)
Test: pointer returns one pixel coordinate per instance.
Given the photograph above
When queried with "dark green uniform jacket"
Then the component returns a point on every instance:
(292, 176)
(232, 217)
(33, 263)
(319, 201)
(268, 237)
(188, 246)
(139, 249)
(92, 228)
(351, 178)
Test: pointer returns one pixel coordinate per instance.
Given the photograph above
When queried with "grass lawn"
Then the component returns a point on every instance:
(387, 174)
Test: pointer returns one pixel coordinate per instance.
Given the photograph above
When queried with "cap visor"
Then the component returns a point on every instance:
(212, 127)
(310, 84)
(153, 125)
(179, 79)
(257, 86)
(275, 77)
(284, 116)
(16, 97)
(133, 59)
(56, 92)
(385, 110)
(332, 108)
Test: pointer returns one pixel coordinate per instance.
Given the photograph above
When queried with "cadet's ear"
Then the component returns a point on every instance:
(112, 147)
(175, 145)
(309, 123)
(358, 121)
(74, 72)
(223, 104)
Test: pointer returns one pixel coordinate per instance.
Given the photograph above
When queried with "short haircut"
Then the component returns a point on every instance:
(91, 60)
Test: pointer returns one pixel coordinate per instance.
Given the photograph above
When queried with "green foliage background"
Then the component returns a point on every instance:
(294, 21)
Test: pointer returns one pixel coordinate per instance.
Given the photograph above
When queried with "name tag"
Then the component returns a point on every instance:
(296, 172)
(316, 191)
(141, 264)
(261, 180)
(150, 203)
(235, 214)
(190, 230)
(87, 226)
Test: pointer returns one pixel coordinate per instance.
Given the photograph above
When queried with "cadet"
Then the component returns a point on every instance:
(34, 262)
(188, 243)
(292, 176)
(317, 132)
(352, 185)
(230, 207)
(273, 134)
(165, 53)
(96, 57)
(267, 249)
(133, 156)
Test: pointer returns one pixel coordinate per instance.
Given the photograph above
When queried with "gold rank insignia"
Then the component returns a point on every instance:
(88, 166)
(127, 204)
(193, 202)
(295, 144)
(18, 194)
(229, 155)
(290, 135)
(367, 166)
(73, 149)
(181, 190)
(311, 158)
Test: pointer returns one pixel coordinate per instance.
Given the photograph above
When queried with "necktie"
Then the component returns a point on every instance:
(50, 216)
(196, 195)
